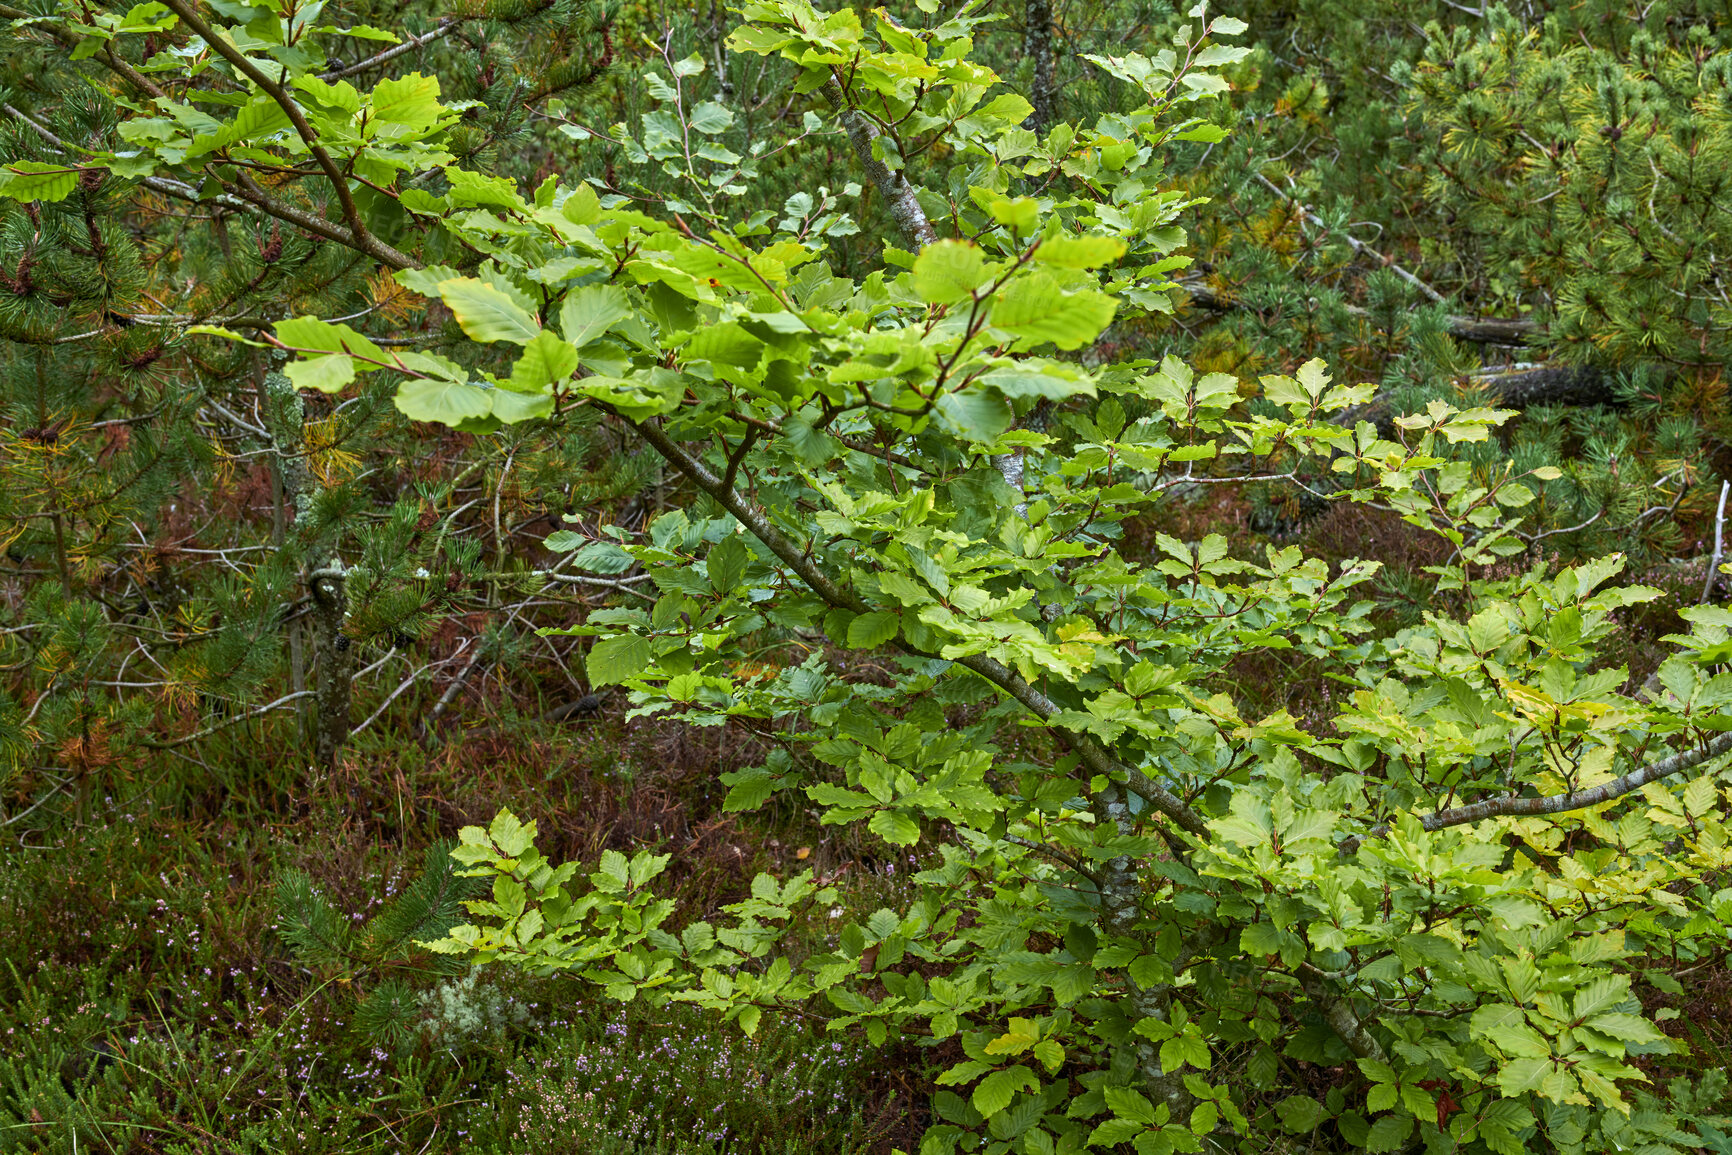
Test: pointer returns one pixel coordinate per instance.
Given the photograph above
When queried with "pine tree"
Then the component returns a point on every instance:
(192, 542)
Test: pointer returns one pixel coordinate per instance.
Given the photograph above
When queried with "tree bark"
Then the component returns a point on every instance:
(1480, 330)
(333, 685)
(285, 418)
(1520, 386)
(898, 193)
(1037, 47)
(1121, 909)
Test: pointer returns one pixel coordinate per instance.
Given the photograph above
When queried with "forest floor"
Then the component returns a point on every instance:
(150, 1003)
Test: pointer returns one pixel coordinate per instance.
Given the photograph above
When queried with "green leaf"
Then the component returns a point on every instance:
(1090, 252)
(34, 180)
(443, 402)
(407, 103)
(310, 335)
(726, 564)
(225, 334)
(1130, 1105)
(263, 117)
(425, 281)
(511, 836)
(617, 659)
(1389, 1133)
(874, 629)
(1299, 1113)
(511, 408)
(1262, 939)
(1036, 309)
(327, 374)
(975, 414)
(1506, 1027)
(709, 118)
(749, 792)
(996, 1090)
(474, 189)
(582, 207)
(487, 314)
(948, 271)
(589, 312)
(895, 827)
(1603, 993)
(546, 361)
(1019, 214)
(340, 96)
(1626, 1028)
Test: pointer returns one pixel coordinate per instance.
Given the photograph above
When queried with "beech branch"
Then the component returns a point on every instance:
(995, 672)
(897, 192)
(1562, 803)
(362, 239)
(246, 192)
(1339, 1011)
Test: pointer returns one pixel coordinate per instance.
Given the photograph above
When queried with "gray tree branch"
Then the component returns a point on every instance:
(898, 193)
(1563, 803)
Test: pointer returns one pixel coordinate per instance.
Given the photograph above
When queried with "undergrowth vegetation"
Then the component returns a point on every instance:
(1023, 579)
(164, 991)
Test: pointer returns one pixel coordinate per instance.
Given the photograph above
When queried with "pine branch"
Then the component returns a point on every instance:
(1520, 386)
(309, 924)
(1516, 386)
(1480, 330)
(227, 722)
(426, 908)
(445, 28)
(1359, 246)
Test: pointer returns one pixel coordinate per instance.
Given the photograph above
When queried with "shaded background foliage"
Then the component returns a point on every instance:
(1523, 204)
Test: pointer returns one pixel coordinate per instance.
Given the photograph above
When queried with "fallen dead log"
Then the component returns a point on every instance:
(1480, 330)
(1519, 386)
(1524, 386)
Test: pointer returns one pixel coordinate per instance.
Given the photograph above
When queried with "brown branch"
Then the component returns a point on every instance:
(1339, 1012)
(445, 28)
(1480, 330)
(361, 238)
(994, 671)
(1520, 386)
(1359, 246)
(247, 189)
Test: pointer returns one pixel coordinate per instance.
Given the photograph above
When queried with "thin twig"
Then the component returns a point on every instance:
(1359, 246)
(227, 722)
(1719, 543)
(449, 25)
